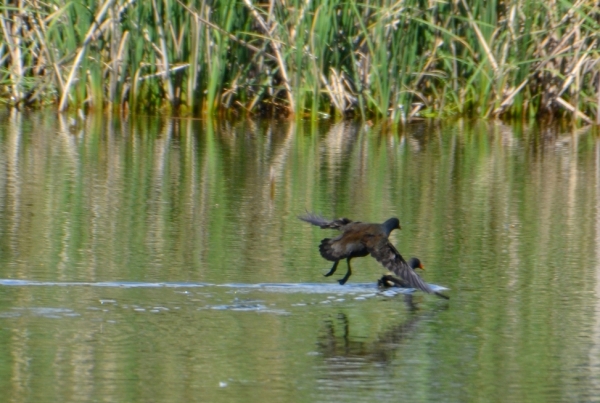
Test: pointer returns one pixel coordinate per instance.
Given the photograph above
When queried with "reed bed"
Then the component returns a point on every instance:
(388, 59)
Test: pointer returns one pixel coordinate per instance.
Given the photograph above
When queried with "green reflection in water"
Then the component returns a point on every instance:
(505, 216)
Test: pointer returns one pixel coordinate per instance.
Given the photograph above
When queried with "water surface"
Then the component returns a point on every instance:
(162, 260)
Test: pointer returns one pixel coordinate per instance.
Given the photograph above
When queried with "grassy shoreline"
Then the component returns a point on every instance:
(374, 60)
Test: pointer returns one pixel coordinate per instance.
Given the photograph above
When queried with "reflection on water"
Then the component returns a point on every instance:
(340, 348)
(353, 362)
(162, 260)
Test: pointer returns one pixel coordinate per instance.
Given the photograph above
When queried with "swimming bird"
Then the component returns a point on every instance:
(389, 280)
(360, 239)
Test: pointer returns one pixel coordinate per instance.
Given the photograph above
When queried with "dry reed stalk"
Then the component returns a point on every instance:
(114, 64)
(224, 32)
(78, 59)
(119, 65)
(277, 49)
(194, 71)
(575, 70)
(482, 41)
(164, 53)
(14, 47)
(571, 108)
(559, 49)
(40, 31)
(333, 95)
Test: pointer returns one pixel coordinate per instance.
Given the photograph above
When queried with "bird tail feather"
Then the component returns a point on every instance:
(322, 222)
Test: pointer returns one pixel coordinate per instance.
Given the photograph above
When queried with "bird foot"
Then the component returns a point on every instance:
(332, 270)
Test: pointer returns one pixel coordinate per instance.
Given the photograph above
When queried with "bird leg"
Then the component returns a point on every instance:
(348, 273)
(333, 269)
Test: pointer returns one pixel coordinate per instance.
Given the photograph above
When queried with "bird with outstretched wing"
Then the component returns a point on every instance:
(361, 239)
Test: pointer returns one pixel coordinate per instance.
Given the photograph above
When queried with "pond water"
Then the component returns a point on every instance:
(159, 260)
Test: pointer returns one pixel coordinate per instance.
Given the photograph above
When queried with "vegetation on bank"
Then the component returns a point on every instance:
(387, 59)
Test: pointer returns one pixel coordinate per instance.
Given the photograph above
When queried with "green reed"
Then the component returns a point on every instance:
(390, 59)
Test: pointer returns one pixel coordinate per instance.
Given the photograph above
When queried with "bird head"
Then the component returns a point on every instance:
(391, 224)
(415, 263)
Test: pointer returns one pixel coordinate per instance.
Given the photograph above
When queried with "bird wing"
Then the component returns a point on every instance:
(320, 221)
(386, 254)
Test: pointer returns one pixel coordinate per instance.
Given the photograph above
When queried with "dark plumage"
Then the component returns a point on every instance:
(361, 239)
(389, 280)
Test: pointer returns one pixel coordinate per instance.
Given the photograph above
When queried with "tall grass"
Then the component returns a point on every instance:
(388, 59)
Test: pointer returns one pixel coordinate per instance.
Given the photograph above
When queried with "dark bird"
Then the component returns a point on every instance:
(360, 239)
(389, 280)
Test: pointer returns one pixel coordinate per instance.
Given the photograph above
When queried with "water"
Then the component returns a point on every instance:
(161, 260)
